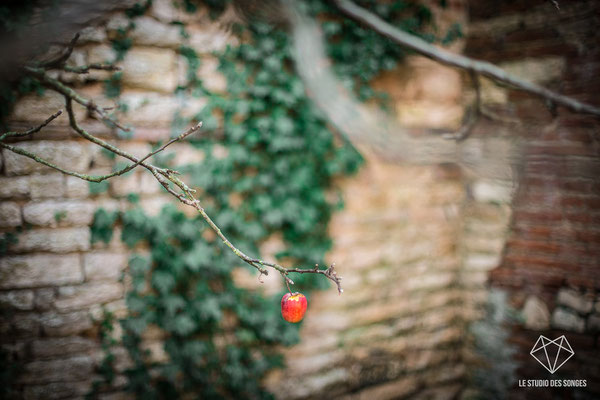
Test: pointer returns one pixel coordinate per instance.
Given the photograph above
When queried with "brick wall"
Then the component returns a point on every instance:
(550, 263)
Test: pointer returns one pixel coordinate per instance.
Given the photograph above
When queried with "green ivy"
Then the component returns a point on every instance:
(267, 145)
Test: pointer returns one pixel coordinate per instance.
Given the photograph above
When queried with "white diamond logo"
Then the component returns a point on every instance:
(552, 354)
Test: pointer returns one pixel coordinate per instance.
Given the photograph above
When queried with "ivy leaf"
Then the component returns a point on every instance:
(102, 225)
(135, 325)
(183, 325)
(162, 281)
(172, 304)
(97, 187)
(138, 265)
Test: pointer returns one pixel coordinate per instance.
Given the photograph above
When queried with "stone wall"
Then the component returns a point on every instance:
(53, 282)
(551, 261)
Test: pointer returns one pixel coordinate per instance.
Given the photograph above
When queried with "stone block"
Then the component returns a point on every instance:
(117, 22)
(149, 109)
(314, 363)
(185, 154)
(100, 54)
(118, 308)
(593, 323)
(78, 297)
(44, 298)
(53, 240)
(64, 346)
(125, 184)
(429, 281)
(67, 154)
(538, 70)
(567, 320)
(26, 325)
(209, 38)
(39, 270)
(149, 184)
(536, 314)
(170, 11)
(388, 390)
(156, 351)
(150, 32)
(78, 58)
(211, 77)
(59, 213)
(50, 185)
(100, 158)
(314, 383)
(575, 301)
(76, 188)
(14, 187)
(116, 395)
(152, 69)
(92, 34)
(17, 299)
(35, 109)
(62, 370)
(101, 265)
(73, 323)
(492, 192)
(153, 205)
(10, 215)
(481, 262)
(137, 149)
(57, 390)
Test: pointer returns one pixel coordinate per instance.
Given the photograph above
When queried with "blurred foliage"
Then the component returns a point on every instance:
(270, 161)
(495, 375)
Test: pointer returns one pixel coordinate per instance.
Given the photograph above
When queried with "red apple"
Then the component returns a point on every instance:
(293, 307)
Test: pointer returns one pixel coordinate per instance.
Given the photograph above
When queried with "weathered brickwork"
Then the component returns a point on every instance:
(551, 261)
(54, 284)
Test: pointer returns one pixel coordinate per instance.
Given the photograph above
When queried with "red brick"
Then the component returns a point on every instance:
(534, 246)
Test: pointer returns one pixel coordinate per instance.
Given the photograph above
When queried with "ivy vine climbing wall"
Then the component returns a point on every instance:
(280, 160)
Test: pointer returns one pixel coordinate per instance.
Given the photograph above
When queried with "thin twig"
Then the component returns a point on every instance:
(60, 60)
(84, 69)
(33, 130)
(287, 281)
(54, 84)
(472, 114)
(479, 67)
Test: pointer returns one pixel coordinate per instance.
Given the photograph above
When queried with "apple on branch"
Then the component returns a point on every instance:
(293, 307)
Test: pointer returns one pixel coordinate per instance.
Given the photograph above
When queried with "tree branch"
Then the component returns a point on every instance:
(164, 176)
(54, 84)
(456, 60)
(62, 58)
(84, 69)
(33, 130)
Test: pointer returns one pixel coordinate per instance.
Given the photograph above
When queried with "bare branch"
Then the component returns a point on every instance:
(61, 59)
(472, 114)
(84, 69)
(66, 91)
(33, 130)
(166, 177)
(479, 67)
